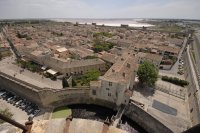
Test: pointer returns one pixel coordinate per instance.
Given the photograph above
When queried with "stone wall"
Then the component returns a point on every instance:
(20, 89)
(192, 100)
(54, 98)
(145, 120)
(51, 98)
(45, 97)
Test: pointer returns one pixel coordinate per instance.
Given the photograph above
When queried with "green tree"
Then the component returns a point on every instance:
(73, 83)
(65, 83)
(6, 113)
(100, 45)
(147, 73)
(90, 76)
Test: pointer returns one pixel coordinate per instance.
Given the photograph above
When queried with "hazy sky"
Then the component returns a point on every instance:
(100, 9)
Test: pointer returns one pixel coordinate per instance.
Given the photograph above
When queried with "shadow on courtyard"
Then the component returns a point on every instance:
(144, 90)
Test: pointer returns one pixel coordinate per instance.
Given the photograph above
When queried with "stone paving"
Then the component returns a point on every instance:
(58, 125)
(9, 67)
(177, 123)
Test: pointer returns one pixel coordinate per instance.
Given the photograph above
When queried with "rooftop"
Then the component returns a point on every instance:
(122, 69)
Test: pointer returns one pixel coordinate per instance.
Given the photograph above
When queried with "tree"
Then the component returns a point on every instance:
(147, 73)
(6, 113)
(90, 76)
(100, 45)
(73, 82)
(65, 83)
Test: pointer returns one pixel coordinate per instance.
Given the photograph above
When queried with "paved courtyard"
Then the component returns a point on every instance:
(178, 122)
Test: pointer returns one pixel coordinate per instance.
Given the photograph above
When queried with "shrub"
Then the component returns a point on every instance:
(175, 80)
(100, 45)
(147, 73)
(6, 113)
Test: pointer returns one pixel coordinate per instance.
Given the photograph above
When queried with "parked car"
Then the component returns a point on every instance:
(7, 95)
(180, 72)
(18, 102)
(2, 93)
(9, 99)
(180, 67)
(35, 112)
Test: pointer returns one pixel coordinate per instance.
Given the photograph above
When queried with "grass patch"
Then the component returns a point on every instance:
(168, 28)
(61, 112)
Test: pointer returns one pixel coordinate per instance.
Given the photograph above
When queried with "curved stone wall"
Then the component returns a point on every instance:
(145, 120)
(20, 89)
(50, 98)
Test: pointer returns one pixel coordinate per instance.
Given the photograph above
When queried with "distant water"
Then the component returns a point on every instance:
(108, 22)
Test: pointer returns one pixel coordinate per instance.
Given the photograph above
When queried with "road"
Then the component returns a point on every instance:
(174, 68)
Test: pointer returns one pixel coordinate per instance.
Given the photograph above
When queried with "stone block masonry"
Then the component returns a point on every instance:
(52, 98)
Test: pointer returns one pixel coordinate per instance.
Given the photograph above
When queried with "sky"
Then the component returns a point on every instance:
(180, 9)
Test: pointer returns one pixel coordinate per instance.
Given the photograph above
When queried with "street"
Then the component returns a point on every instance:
(174, 69)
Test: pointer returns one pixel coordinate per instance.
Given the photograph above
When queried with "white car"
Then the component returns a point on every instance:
(1, 93)
(17, 103)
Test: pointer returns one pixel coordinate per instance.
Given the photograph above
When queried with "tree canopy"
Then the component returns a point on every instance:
(90, 76)
(147, 73)
(100, 45)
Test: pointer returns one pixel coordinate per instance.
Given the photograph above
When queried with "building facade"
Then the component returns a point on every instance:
(117, 83)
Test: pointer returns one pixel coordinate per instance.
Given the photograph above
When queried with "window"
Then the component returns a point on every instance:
(109, 94)
(110, 83)
(107, 89)
(93, 92)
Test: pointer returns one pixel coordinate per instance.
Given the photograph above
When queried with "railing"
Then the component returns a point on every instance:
(169, 91)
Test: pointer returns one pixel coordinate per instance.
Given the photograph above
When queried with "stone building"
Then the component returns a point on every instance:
(67, 66)
(117, 83)
(153, 58)
(74, 66)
